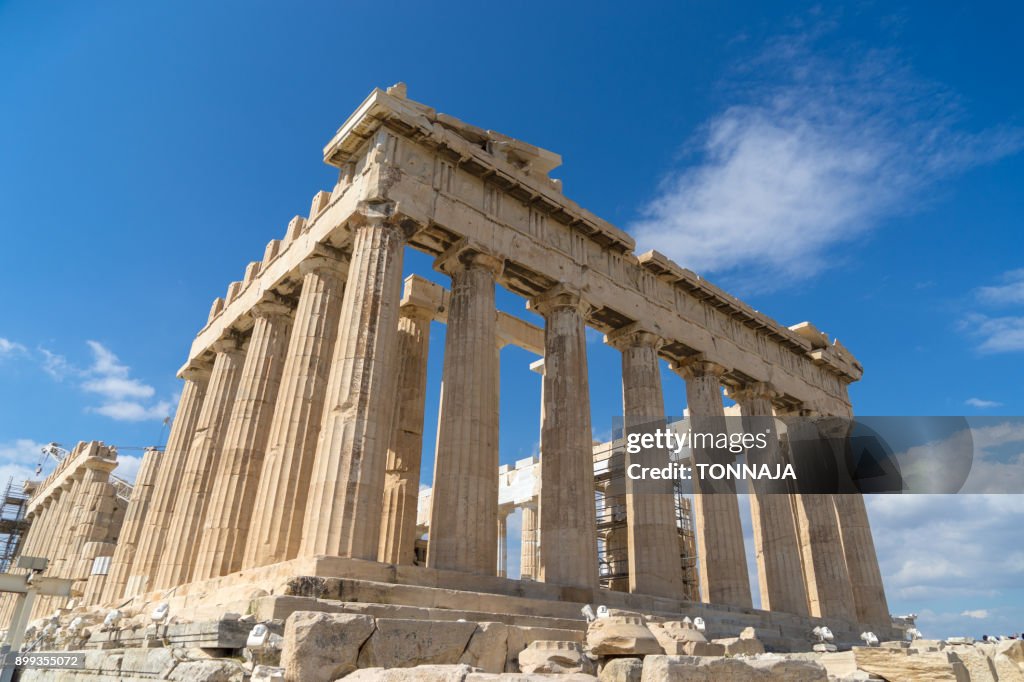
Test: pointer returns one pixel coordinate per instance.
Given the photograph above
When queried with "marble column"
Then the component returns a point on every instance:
(343, 512)
(655, 567)
(829, 592)
(859, 549)
(464, 507)
(502, 545)
(528, 543)
(134, 524)
(178, 557)
(776, 546)
(276, 532)
(402, 479)
(95, 514)
(722, 560)
(237, 472)
(167, 486)
(568, 550)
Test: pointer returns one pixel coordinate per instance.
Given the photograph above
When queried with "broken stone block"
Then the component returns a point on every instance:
(621, 635)
(267, 673)
(622, 670)
(547, 656)
(488, 648)
(209, 670)
(404, 643)
(322, 646)
(695, 669)
(420, 673)
(899, 664)
(737, 646)
(674, 635)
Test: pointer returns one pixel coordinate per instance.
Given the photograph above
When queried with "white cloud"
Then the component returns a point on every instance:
(980, 614)
(997, 334)
(8, 347)
(56, 365)
(822, 155)
(119, 387)
(127, 466)
(981, 404)
(1011, 291)
(132, 411)
(18, 460)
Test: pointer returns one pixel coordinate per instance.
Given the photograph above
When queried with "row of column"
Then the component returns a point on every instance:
(304, 418)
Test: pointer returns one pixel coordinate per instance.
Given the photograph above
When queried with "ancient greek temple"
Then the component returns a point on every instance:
(296, 446)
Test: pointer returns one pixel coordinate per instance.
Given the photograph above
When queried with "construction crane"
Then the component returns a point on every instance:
(122, 488)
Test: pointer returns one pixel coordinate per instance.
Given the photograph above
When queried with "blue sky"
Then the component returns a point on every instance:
(853, 165)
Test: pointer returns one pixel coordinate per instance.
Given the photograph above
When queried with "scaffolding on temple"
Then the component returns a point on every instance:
(13, 524)
(612, 533)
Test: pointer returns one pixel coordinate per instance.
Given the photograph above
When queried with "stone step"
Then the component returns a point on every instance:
(279, 607)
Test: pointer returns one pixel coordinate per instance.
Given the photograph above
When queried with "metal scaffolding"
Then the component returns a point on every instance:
(13, 524)
(612, 534)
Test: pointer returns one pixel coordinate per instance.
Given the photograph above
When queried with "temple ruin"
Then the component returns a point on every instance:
(291, 475)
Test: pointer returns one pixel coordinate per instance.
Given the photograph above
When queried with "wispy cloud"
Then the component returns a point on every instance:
(122, 397)
(1010, 291)
(979, 614)
(816, 149)
(981, 404)
(8, 347)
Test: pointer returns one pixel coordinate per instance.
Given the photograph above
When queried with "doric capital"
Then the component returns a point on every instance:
(382, 214)
(696, 367)
(324, 259)
(465, 255)
(632, 336)
(271, 306)
(559, 297)
(195, 372)
(227, 344)
(752, 391)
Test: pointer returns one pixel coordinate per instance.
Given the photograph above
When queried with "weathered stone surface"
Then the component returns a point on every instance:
(899, 665)
(400, 643)
(621, 635)
(697, 669)
(267, 673)
(420, 673)
(674, 635)
(529, 677)
(622, 670)
(322, 646)
(545, 656)
(738, 646)
(208, 671)
(488, 648)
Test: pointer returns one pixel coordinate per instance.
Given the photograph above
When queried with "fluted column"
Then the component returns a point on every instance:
(343, 512)
(95, 514)
(655, 567)
(402, 479)
(237, 471)
(276, 532)
(464, 507)
(178, 557)
(133, 526)
(722, 560)
(167, 486)
(859, 549)
(568, 550)
(776, 547)
(829, 592)
(528, 543)
(502, 545)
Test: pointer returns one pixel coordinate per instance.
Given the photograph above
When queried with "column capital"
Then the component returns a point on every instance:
(323, 260)
(632, 336)
(752, 391)
(381, 214)
(227, 344)
(558, 297)
(697, 366)
(465, 255)
(270, 306)
(195, 372)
